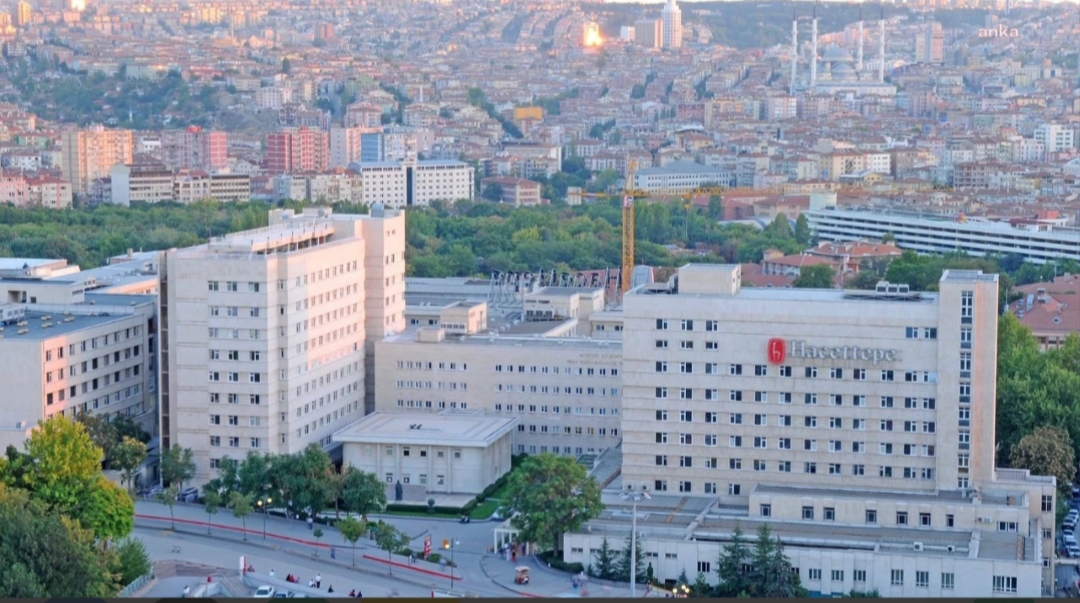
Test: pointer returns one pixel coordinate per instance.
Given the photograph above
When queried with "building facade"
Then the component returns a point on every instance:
(671, 22)
(89, 154)
(297, 150)
(823, 410)
(265, 332)
(192, 148)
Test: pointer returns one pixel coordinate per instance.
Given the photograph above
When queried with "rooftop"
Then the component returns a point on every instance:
(466, 430)
(40, 326)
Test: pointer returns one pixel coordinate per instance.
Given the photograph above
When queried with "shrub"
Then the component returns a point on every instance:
(557, 563)
(403, 508)
(434, 557)
(133, 560)
(404, 552)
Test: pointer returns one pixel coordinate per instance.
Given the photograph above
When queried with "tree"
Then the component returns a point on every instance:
(132, 560)
(241, 508)
(493, 192)
(389, 539)
(552, 495)
(729, 568)
(772, 576)
(622, 562)
(716, 207)
(127, 456)
(700, 587)
(780, 227)
(814, 277)
(318, 534)
(45, 555)
(177, 465)
(888, 237)
(351, 529)
(802, 230)
(64, 463)
(211, 503)
(107, 510)
(1047, 451)
(604, 560)
(364, 493)
(227, 479)
(102, 432)
(167, 497)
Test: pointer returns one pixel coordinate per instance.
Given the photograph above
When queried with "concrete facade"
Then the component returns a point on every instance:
(446, 454)
(265, 332)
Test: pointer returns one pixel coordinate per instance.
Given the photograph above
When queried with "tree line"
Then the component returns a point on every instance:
(64, 523)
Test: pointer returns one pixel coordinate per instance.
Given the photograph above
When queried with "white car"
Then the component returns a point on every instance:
(264, 592)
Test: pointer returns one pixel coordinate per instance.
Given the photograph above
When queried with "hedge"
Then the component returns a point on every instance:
(424, 509)
(557, 563)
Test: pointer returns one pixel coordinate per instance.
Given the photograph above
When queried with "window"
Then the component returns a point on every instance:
(735, 418)
(829, 514)
(735, 464)
(808, 512)
(814, 574)
(948, 580)
(836, 373)
(765, 510)
(922, 579)
(808, 445)
(686, 439)
(785, 371)
(661, 324)
(783, 443)
(686, 416)
(901, 518)
(810, 372)
(1004, 584)
(711, 325)
(710, 487)
(711, 417)
(686, 345)
(734, 489)
(661, 392)
(686, 487)
(859, 575)
(687, 325)
(1007, 526)
(661, 438)
(761, 370)
(871, 516)
(704, 567)
(950, 521)
(924, 520)
(686, 461)
(660, 485)
(661, 366)
(735, 441)
(661, 460)
(810, 468)
(837, 575)
(1047, 503)
(888, 375)
(660, 344)
(734, 369)
(759, 419)
(897, 578)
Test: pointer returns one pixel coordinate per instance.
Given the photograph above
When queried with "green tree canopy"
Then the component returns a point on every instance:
(177, 465)
(1047, 451)
(552, 495)
(364, 493)
(818, 276)
(64, 463)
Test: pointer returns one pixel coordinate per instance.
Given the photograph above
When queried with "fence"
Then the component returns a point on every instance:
(130, 590)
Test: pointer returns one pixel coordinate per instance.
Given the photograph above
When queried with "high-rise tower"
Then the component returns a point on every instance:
(671, 18)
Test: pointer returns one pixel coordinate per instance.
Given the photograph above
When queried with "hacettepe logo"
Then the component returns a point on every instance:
(777, 351)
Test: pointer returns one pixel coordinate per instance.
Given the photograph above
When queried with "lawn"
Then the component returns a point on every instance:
(485, 509)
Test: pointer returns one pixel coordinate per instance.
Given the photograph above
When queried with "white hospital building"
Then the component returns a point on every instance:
(858, 424)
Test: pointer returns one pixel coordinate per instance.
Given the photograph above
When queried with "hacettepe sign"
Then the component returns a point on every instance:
(779, 350)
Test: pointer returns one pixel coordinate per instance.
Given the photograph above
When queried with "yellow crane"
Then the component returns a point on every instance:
(627, 228)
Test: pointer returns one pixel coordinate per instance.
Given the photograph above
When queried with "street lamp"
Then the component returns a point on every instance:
(449, 544)
(264, 506)
(636, 497)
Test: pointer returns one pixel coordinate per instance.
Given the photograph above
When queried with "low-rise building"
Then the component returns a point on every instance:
(443, 453)
(515, 191)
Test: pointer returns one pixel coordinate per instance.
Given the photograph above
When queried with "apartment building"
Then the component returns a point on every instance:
(1055, 138)
(346, 145)
(401, 184)
(89, 154)
(297, 150)
(148, 183)
(825, 411)
(67, 351)
(265, 332)
(562, 387)
(932, 234)
(681, 177)
(332, 187)
(192, 148)
(515, 191)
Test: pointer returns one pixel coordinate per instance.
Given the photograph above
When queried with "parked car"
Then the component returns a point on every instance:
(188, 495)
(283, 594)
(264, 592)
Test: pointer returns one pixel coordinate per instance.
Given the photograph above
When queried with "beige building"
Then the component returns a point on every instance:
(531, 360)
(825, 410)
(266, 332)
(89, 154)
(435, 454)
(66, 351)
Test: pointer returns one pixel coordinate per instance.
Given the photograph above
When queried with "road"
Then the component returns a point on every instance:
(226, 553)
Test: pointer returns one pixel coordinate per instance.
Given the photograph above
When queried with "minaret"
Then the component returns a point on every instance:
(813, 50)
(859, 57)
(794, 48)
(881, 47)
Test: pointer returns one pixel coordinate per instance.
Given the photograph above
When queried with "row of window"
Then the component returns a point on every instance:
(92, 385)
(809, 468)
(554, 430)
(811, 399)
(428, 366)
(663, 324)
(440, 404)
(117, 396)
(93, 344)
(555, 370)
(453, 385)
(566, 410)
(92, 365)
(762, 443)
(234, 377)
(555, 390)
(687, 439)
(810, 372)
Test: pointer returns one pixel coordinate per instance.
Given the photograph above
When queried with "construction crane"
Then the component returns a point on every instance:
(627, 228)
